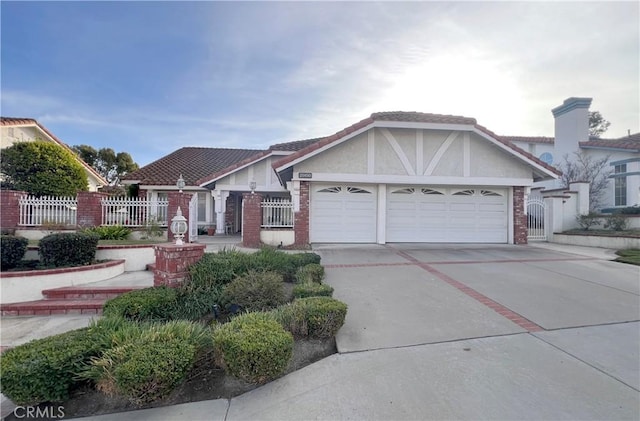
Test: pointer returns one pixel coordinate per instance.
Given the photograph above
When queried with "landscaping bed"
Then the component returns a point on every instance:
(631, 256)
(633, 233)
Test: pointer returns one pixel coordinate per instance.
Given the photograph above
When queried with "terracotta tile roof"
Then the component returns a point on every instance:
(19, 121)
(295, 145)
(210, 177)
(530, 139)
(410, 116)
(631, 142)
(16, 121)
(192, 162)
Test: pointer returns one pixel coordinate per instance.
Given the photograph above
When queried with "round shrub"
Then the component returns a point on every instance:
(256, 291)
(312, 289)
(45, 370)
(155, 303)
(148, 366)
(253, 347)
(316, 317)
(68, 249)
(313, 272)
(12, 250)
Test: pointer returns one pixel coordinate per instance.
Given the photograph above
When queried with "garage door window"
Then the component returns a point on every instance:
(331, 190)
(431, 191)
(357, 190)
(489, 193)
(464, 193)
(404, 191)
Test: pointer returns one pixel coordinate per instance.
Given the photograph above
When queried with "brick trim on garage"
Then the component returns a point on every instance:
(520, 229)
(301, 218)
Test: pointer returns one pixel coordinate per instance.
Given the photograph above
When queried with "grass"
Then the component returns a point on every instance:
(631, 256)
(605, 233)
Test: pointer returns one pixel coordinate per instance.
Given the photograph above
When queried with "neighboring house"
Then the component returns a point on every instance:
(393, 177)
(572, 135)
(27, 130)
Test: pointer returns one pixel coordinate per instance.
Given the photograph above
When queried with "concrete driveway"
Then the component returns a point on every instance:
(462, 332)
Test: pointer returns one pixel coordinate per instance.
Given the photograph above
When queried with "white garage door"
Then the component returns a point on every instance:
(343, 213)
(447, 215)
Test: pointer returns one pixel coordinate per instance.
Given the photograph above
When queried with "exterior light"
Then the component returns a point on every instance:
(180, 183)
(179, 227)
(252, 186)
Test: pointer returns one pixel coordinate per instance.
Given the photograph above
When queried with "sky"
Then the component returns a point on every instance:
(151, 77)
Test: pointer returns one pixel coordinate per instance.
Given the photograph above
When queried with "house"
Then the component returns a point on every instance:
(572, 135)
(27, 129)
(392, 177)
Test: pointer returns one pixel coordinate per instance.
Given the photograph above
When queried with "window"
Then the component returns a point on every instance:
(431, 191)
(620, 185)
(489, 193)
(547, 158)
(331, 190)
(357, 190)
(202, 207)
(464, 193)
(407, 190)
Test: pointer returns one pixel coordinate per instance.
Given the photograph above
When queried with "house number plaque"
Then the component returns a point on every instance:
(305, 175)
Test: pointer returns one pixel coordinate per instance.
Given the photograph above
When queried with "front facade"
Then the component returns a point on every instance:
(572, 136)
(27, 130)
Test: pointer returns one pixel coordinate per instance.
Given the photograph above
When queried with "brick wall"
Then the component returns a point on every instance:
(10, 208)
(520, 230)
(229, 216)
(177, 199)
(172, 262)
(251, 219)
(89, 208)
(301, 218)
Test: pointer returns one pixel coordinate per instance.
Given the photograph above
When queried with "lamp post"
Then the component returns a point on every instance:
(180, 183)
(252, 186)
(179, 227)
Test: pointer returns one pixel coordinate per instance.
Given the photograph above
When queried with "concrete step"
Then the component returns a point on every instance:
(86, 292)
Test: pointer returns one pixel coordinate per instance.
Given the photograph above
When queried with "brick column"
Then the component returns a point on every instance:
(172, 262)
(10, 208)
(182, 200)
(520, 230)
(89, 213)
(301, 218)
(251, 219)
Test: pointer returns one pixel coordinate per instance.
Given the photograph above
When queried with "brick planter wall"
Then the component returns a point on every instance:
(251, 219)
(89, 209)
(301, 218)
(10, 208)
(172, 262)
(520, 230)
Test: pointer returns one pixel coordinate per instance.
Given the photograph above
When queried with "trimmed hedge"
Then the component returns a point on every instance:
(149, 366)
(256, 291)
(253, 347)
(155, 303)
(313, 272)
(12, 250)
(68, 249)
(44, 370)
(316, 317)
(312, 289)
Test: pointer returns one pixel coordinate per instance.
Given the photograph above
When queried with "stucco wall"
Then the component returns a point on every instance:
(349, 157)
(261, 172)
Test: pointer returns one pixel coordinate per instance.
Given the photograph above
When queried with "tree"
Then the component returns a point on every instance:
(106, 162)
(583, 167)
(597, 124)
(42, 168)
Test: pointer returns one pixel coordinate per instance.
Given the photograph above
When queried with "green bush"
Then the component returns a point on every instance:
(45, 370)
(313, 272)
(312, 289)
(256, 291)
(109, 232)
(155, 303)
(148, 366)
(68, 249)
(316, 317)
(193, 302)
(253, 347)
(303, 259)
(616, 222)
(220, 268)
(12, 250)
(271, 259)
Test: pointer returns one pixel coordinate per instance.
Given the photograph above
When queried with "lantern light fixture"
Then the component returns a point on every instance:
(179, 227)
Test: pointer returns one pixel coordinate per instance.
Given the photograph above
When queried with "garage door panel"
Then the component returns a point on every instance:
(456, 215)
(343, 213)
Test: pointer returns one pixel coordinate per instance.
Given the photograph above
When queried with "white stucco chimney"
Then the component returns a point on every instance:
(571, 126)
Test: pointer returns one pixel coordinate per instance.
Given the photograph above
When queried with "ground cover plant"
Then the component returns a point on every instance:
(631, 256)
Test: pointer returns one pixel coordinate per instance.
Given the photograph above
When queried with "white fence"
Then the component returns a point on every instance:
(134, 211)
(39, 211)
(277, 213)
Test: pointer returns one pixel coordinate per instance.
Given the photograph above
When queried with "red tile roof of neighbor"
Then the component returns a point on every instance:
(409, 116)
(529, 139)
(192, 162)
(19, 121)
(630, 142)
